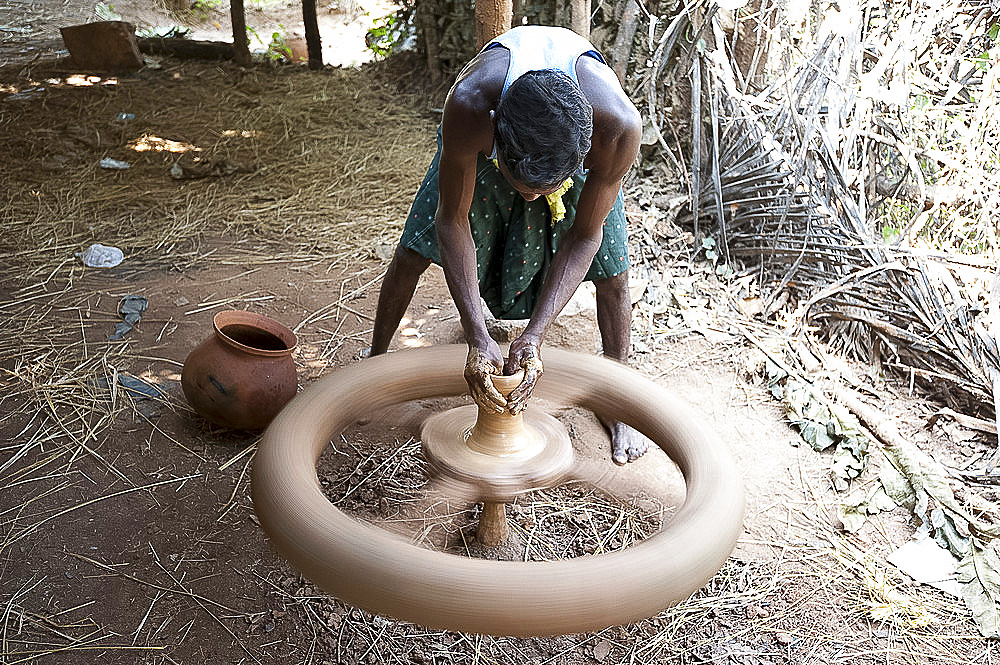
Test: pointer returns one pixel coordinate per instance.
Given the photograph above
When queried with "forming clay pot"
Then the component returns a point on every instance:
(242, 375)
(496, 456)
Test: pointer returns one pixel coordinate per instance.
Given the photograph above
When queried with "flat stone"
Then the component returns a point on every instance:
(505, 331)
(107, 46)
(602, 650)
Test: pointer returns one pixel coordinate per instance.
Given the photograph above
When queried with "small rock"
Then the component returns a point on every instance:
(784, 638)
(103, 45)
(505, 331)
(601, 650)
(101, 256)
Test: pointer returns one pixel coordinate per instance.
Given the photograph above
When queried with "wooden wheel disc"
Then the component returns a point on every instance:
(370, 568)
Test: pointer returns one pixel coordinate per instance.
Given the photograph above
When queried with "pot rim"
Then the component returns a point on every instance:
(259, 321)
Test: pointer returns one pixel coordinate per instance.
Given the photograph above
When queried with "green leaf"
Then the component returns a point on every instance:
(896, 486)
(855, 509)
(851, 517)
(774, 373)
(816, 435)
(845, 466)
(979, 580)
(106, 12)
(880, 501)
(946, 532)
(797, 400)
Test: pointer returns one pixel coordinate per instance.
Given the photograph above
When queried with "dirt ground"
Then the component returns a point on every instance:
(128, 534)
(29, 29)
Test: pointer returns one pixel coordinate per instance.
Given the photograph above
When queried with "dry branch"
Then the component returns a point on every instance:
(187, 48)
(784, 195)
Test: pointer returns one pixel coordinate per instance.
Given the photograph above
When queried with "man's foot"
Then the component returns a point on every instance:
(627, 444)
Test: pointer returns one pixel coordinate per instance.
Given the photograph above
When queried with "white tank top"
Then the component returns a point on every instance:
(542, 47)
(535, 47)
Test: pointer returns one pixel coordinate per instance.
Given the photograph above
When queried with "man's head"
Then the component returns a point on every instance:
(543, 128)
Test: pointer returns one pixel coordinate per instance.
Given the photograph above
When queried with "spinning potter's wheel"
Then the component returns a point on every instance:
(496, 456)
(370, 568)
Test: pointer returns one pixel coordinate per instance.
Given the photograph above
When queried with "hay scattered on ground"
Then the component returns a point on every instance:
(292, 165)
(322, 165)
(300, 168)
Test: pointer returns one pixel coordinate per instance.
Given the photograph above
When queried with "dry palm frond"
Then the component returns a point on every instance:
(791, 191)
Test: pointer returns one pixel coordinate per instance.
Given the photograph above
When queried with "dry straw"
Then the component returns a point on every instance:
(286, 166)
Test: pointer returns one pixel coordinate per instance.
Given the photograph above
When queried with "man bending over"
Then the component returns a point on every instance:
(521, 203)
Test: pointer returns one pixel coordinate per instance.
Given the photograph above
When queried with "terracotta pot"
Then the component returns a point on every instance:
(242, 375)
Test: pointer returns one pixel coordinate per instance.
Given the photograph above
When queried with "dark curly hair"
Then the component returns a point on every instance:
(543, 128)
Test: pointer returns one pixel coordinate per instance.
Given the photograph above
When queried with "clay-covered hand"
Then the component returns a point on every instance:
(523, 355)
(480, 365)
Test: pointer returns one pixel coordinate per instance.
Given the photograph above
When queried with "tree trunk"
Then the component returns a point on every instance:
(241, 47)
(425, 23)
(493, 18)
(622, 49)
(314, 45)
(752, 41)
(579, 17)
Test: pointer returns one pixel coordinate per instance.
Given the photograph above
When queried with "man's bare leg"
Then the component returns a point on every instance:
(397, 290)
(614, 319)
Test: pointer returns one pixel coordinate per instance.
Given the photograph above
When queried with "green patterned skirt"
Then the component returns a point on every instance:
(515, 239)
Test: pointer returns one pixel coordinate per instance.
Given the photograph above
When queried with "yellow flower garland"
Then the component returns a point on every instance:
(556, 206)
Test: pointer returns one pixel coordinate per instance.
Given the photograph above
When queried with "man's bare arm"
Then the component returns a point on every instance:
(613, 154)
(462, 136)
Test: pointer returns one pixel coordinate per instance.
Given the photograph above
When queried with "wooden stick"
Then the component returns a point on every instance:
(189, 48)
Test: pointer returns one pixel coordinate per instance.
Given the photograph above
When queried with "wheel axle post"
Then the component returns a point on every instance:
(493, 530)
(497, 434)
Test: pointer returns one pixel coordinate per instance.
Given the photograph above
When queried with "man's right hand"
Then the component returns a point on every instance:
(480, 365)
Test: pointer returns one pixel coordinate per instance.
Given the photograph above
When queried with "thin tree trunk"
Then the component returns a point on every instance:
(579, 17)
(314, 45)
(622, 49)
(241, 47)
(493, 18)
(426, 23)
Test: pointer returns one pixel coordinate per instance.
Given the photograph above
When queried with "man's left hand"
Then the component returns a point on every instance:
(523, 355)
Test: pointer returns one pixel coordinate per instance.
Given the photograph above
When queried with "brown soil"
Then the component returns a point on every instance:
(31, 29)
(140, 545)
